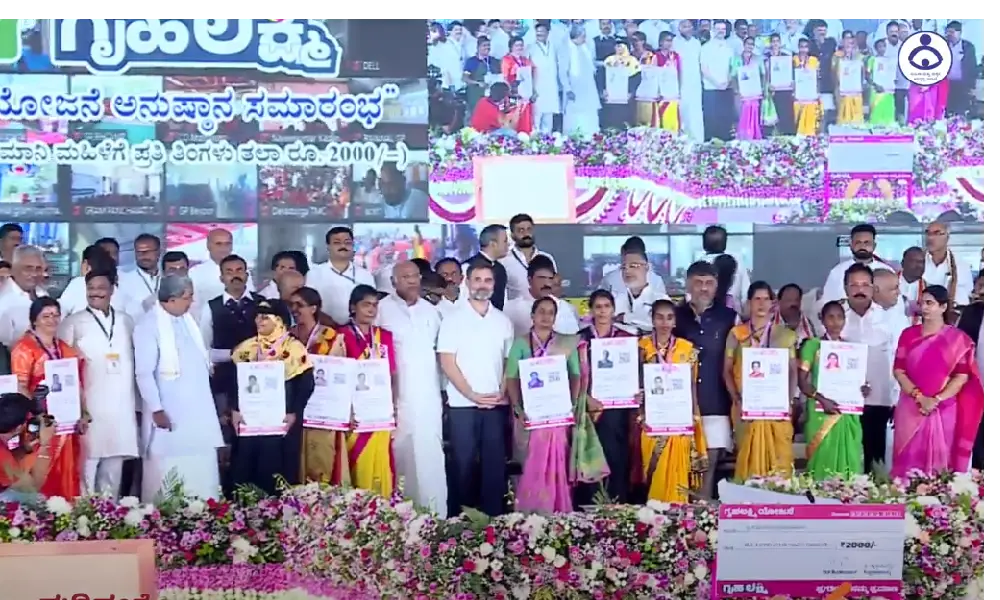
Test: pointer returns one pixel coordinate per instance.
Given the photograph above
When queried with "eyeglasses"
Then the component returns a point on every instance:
(634, 265)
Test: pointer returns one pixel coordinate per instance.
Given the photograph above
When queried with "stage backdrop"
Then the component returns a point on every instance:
(280, 129)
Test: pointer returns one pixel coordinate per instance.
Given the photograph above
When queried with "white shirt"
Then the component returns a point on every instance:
(653, 28)
(519, 313)
(414, 337)
(206, 277)
(834, 288)
(716, 61)
(941, 275)
(205, 325)
(614, 283)
(740, 287)
(14, 306)
(335, 287)
(480, 345)
(499, 41)
(638, 310)
(896, 321)
(270, 291)
(910, 290)
(74, 297)
(873, 329)
(141, 288)
(517, 271)
(109, 377)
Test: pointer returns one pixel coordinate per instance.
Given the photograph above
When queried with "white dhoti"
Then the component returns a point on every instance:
(718, 432)
(420, 465)
(198, 474)
(103, 476)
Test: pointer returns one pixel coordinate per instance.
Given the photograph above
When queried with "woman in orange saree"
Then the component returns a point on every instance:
(28, 357)
(324, 453)
(373, 466)
(941, 393)
(515, 68)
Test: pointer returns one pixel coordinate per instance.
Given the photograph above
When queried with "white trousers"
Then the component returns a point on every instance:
(199, 475)
(718, 432)
(103, 476)
(542, 122)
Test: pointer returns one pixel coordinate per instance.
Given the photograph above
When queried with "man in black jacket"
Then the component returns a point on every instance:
(493, 245)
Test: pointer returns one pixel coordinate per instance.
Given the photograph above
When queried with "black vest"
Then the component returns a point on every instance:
(230, 327)
(499, 279)
(708, 335)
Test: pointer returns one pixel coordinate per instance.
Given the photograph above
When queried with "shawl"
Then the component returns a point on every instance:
(278, 345)
(622, 59)
(170, 364)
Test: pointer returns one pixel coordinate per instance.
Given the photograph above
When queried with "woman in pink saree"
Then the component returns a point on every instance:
(927, 102)
(941, 399)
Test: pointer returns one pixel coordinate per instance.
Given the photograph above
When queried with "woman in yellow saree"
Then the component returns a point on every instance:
(370, 453)
(833, 439)
(324, 453)
(764, 447)
(673, 464)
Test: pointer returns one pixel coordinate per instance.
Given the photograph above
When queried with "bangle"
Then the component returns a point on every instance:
(45, 456)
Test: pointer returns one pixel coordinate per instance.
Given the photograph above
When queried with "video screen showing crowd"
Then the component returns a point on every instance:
(458, 379)
(718, 79)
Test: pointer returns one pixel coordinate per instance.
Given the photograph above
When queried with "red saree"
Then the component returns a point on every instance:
(27, 359)
(944, 438)
(508, 67)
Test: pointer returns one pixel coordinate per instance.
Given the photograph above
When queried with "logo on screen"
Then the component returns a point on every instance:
(10, 42)
(925, 58)
(115, 46)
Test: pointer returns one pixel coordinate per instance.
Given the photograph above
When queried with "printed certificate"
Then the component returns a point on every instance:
(765, 384)
(372, 396)
(806, 85)
(614, 367)
(63, 403)
(545, 392)
(842, 372)
(781, 72)
(262, 397)
(616, 84)
(669, 403)
(329, 407)
(649, 89)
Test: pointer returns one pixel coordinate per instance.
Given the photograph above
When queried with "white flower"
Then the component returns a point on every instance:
(134, 517)
(196, 507)
(83, 526)
(928, 501)
(658, 506)
(688, 579)
(911, 527)
(58, 505)
(496, 565)
(963, 484)
(523, 137)
(981, 509)
(559, 561)
(481, 565)
(486, 549)
(549, 553)
(943, 549)
(700, 572)
(15, 532)
(129, 502)
(243, 551)
(646, 515)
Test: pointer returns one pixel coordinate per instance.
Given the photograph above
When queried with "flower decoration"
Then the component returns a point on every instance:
(320, 542)
(776, 167)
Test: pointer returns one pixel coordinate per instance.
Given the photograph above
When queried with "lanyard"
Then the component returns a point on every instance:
(312, 336)
(108, 334)
(519, 260)
(540, 348)
(350, 277)
(155, 279)
(57, 355)
(597, 336)
(763, 340)
(662, 357)
(371, 344)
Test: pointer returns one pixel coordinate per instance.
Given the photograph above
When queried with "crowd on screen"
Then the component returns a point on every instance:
(730, 78)
(164, 341)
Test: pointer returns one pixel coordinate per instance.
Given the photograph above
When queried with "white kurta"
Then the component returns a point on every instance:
(206, 277)
(188, 449)
(692, 119)
(141, 288)
(74, 297)
(517, 271)
(940, 274)
(576, 75)
(108, 376)
(335, 287)
(834, 287)
(546, 78)
(14, 306)
(518, 310)
(418, 443)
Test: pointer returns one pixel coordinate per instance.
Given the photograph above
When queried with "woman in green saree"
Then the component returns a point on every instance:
(833, 439)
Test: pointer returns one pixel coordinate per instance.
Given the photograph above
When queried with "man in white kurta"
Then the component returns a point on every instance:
(543, 284)
(180, 427)
(207, 275)
(141, 284)
(103, 336)
(16, 296)
(74, 298)
(337, 278)
(689, 48)
(945, 268)
(862, 251)
(544, 56)
(581, 100)
(414, 323)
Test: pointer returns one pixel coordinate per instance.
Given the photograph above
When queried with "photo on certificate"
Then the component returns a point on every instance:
(545, 393)
(669, 407)
(615, 378)
(261, 390)
(329, 407)
(765, 379)
(842, 374)
(371, 391)
(63, 402)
